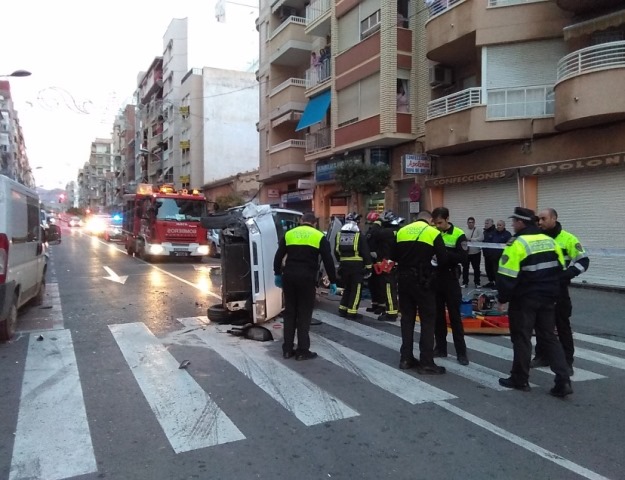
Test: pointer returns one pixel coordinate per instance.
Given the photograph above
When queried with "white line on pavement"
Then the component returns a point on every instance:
(521, 442)
(187, 415)
(52, 440)
(476, 373)
(309, 403)
(605, 342)
(388, 378)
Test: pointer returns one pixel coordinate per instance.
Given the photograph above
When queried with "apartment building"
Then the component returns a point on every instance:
(13, 157)
(341, 81)
(96, 180)
(528, 109)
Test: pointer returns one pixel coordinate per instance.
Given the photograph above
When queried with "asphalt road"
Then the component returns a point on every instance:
(90, 388)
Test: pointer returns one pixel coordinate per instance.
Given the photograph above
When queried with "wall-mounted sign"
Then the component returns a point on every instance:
(304, 184)
(419, 164)
(301, 196)
(472, 177)
(325, 171)
(273, 193)
(574, 165)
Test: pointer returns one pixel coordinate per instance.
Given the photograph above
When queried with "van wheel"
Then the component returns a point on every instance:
(41, 294)
(9, 324)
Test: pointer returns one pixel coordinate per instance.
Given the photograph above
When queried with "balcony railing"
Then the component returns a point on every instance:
(507, 3)
(319, 140)
(316, 9)
(598, 57)
(439, 6)
(295, 82)
(455, 102)
(288, 144)
(286, 23)
(525, 102)
(319, 74)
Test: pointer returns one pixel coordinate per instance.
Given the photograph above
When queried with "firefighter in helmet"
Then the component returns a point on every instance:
(354, 258)
(386, 282)
(376, 283)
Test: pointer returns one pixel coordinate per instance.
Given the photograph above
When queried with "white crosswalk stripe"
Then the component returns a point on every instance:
(605, 342)
(310, 404)
(188, 416)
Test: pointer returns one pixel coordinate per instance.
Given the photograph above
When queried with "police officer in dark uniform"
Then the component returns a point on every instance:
(528, 277)
(448, 292)
(302, 246)
(354, 258)
(416, 245)
(384, 239)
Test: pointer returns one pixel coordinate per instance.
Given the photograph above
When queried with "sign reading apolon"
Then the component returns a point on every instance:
(564, 166)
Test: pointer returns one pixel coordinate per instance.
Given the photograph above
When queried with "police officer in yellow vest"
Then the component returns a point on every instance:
(448, 292)
(417, 248)
(302, 246)
(354, 258)
(528, 277)
(577, 262)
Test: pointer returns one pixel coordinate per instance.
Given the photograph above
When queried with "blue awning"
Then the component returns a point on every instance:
(314, 111)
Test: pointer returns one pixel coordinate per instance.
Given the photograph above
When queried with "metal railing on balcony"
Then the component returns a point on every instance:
(289, 82)
(287, 144)
(590, 59)
(524, 102)
(455, 102)
(286, 23)
(437, 7)
(507, 3)
(319, 140)
(316, 9)
(318, 74)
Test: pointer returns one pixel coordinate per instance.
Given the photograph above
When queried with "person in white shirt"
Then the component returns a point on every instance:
(474, 258)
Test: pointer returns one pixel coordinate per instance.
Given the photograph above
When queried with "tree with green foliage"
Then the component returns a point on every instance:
(361, 178)
(228, 201)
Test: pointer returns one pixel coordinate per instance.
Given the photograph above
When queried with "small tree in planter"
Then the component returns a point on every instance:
(363, 179)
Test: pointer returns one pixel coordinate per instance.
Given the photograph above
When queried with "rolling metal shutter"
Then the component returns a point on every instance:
(590, 206)
(481, 200)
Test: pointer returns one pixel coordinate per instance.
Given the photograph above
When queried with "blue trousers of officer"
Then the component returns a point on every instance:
(538, 314)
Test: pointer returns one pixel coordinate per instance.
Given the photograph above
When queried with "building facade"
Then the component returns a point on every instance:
(96, 180)
(13, 157)
(527, 109)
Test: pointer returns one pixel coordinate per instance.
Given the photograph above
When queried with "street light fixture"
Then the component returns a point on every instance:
(18, 73)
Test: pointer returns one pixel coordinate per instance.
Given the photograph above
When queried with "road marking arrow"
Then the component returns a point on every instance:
(113, 277)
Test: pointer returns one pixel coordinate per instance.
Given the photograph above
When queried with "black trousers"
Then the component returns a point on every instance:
(448, 294)
(413, 298)
(534, 314)
(563, 310)
(388, 284)
(377, 289)
(299, 300)
(491, 264)
(352, 275)
(474, 260)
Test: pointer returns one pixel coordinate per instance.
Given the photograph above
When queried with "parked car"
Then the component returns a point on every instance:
(22, 253)
(113, 230)
(214, 248)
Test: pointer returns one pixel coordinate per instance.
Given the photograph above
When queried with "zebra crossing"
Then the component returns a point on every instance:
(191, 419)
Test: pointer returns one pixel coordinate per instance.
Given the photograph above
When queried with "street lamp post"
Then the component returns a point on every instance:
(18, 73)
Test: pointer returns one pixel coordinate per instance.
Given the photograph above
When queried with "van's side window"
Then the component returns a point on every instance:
(34, 224)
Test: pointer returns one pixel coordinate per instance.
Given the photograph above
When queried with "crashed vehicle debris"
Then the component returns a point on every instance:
(249, 237)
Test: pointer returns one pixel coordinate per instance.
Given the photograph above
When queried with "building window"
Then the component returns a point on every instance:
(370, 25)
(403, 96)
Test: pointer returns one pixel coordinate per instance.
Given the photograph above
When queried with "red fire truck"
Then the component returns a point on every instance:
(162, 222)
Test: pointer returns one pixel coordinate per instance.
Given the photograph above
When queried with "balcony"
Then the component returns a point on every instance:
(289, 44)
(456, 28)
(524, 102)
(455, 102)
(582, 6)
(285, 160)
(319, 74)
(287, 97)
(318, 18)
(319, 140)
(589, 88)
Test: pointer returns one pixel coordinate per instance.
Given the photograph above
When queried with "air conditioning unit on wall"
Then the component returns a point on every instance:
(440, 76)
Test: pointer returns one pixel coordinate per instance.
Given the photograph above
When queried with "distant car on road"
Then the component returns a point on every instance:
(75, 222)
(214, 249)
(113, 230)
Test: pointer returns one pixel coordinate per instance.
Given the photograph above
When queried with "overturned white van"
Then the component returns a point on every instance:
(22, 256)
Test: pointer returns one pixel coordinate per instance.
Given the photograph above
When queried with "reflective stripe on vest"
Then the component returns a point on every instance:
(420, 231)
(303, 236)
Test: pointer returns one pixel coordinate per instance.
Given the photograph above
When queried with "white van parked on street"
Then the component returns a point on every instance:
(22, 256)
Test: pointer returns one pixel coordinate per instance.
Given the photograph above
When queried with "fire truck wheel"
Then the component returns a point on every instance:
(217, 313)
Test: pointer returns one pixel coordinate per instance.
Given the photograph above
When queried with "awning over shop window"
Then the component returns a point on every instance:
(587, 27)
(314, 111)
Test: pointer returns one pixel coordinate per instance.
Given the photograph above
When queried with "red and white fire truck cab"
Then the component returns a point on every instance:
(162, 222)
